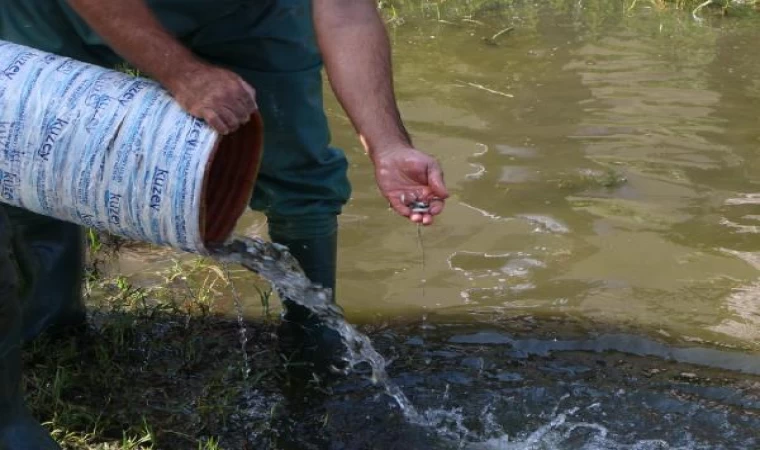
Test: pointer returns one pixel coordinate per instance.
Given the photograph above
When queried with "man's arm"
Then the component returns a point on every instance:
(220, 97)
(355, 47)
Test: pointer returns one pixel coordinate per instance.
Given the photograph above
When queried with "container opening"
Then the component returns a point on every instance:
(229, 182)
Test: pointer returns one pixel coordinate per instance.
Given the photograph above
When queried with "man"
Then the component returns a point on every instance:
(221, 60)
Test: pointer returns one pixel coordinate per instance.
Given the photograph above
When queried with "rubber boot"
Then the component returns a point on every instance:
(303, 337)
(18, 429)
(50, 258)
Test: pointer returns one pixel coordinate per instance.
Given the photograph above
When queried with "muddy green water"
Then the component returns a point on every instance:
(541, 221)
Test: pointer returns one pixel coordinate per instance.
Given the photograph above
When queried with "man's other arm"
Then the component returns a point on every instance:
(219, 96)
(356, 51)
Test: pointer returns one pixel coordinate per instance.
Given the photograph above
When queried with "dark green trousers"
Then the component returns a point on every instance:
(302, 182)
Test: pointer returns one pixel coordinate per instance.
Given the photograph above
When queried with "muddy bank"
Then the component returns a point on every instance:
(162, 372)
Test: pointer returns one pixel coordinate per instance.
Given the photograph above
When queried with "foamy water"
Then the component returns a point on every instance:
(561, 432)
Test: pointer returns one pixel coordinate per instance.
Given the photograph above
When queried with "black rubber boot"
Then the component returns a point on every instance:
(50, 258)
(303, 338)
(18, 429)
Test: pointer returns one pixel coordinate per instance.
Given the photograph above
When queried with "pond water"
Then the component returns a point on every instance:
(603, 165)
(618, 183)
(605, 181)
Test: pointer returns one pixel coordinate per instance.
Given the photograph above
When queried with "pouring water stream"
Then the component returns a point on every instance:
(274, 263)
(241, 323)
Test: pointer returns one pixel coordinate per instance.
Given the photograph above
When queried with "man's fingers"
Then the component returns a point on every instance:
(244, 102)
(249, 100)
(436, 207)
(435, 181)
(400, 207)
(220, 97)
(242, 112)
(216, 122)
(421, 218)
(230, 119)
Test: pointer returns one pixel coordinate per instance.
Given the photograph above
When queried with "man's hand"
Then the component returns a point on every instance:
(357, 57)
(220, 97)
(216, 95)
(405, 175)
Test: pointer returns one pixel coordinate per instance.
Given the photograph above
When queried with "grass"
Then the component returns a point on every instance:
(472, 10)
(725, 6)
(161, 368)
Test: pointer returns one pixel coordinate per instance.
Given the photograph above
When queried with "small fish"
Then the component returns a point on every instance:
(420, 207)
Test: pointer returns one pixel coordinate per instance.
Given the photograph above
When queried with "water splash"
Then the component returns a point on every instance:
(562, 431)
(243, 330)
(559, 433)
(274, 263)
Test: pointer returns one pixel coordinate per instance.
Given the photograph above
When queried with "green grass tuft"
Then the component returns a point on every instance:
(160, 367)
